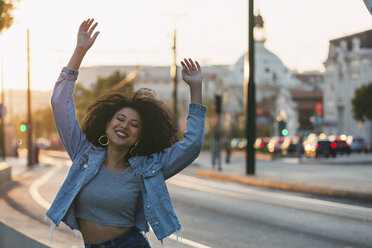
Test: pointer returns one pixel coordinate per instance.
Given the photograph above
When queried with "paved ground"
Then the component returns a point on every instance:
(343, 176)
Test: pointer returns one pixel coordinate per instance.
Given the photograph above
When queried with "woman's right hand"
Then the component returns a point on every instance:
(85, 39)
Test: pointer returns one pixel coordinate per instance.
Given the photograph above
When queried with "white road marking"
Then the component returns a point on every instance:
(26, 174)
(185, 241)
(259, 198)
(188, 242)
(277, 195)
(34, 188)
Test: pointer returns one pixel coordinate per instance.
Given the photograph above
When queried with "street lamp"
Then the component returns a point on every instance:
(251, 101)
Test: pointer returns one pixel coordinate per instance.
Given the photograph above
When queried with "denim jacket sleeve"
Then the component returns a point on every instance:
(72, 137)
(183, 153)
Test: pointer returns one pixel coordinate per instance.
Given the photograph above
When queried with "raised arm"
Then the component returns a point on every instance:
(85, 40)
(192, 75)
(62, 101)
(183, 153)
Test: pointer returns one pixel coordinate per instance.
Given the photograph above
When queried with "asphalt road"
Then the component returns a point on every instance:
(222, 214)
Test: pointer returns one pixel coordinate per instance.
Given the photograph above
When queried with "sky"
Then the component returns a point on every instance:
(140, 32)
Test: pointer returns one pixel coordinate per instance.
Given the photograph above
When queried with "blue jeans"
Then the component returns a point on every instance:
(130, 239)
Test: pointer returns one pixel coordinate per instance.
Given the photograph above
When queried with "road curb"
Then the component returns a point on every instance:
(5, 172)
(259, 182)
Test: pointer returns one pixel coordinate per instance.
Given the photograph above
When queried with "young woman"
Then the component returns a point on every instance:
(123, 154)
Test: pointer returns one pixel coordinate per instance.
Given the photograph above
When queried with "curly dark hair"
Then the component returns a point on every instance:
(158, 128)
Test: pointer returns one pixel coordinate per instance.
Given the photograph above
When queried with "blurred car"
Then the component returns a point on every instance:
(325, 148)
(238, 143)
(43, 143)
(287, 145)
(320, 148)
(342, 147)
(296, 145)
(260, 144)
(274, 145)
(241, 143)
(358, 145)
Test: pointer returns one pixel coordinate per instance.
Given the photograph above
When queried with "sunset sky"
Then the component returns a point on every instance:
(140, 32)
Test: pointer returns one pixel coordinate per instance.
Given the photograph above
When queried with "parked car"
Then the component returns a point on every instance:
(274, 145)
(342, 147)
(238, 143)
(260, 144)
(325, 148)
(320, 148)
(358, 145)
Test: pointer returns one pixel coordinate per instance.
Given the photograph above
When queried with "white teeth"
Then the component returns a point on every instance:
(121, 134)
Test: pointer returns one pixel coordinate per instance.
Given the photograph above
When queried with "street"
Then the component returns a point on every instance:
(216, 213)
(267, 103)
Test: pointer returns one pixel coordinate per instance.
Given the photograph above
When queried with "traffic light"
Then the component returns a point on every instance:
(283, 131)
(23, 127)
(218, 103)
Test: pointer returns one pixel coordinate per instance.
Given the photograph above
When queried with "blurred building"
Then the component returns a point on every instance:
(273, 97)
(309, 99)
(348, 67)
(280, 93)
(158, 78)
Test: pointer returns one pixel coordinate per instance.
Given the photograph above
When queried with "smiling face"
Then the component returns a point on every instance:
(125, 128)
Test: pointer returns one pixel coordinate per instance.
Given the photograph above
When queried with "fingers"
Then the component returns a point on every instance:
(95, 35)
(89, 22)
(82, 25)
(189, 65)
(92, 29)
(197, 64)
(86, 24)
(192, 64)
(184, 68)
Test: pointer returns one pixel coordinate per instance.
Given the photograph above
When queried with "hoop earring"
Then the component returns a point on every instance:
(134, 150)
(103, 137)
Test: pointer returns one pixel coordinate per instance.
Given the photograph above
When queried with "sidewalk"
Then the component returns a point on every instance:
(343, 176)
(23, 228)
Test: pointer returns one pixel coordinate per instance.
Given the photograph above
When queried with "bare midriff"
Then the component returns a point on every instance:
(94, 233)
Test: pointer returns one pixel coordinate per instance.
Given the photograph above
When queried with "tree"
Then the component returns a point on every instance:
(362, 103)
(106, 85)
(6, 18)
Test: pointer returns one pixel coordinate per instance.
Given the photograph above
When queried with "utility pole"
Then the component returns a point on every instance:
(173, 70)
(218, 131)
(251, 101)
(174, 78)
(29, 121)
(3, 150)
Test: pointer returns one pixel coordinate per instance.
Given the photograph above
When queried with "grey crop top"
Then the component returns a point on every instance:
(110, 198)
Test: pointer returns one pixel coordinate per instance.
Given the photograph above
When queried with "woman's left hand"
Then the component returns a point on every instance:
(86, 38)
(191, 72)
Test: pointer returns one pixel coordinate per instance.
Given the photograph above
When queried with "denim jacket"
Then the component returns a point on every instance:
(154, 207)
